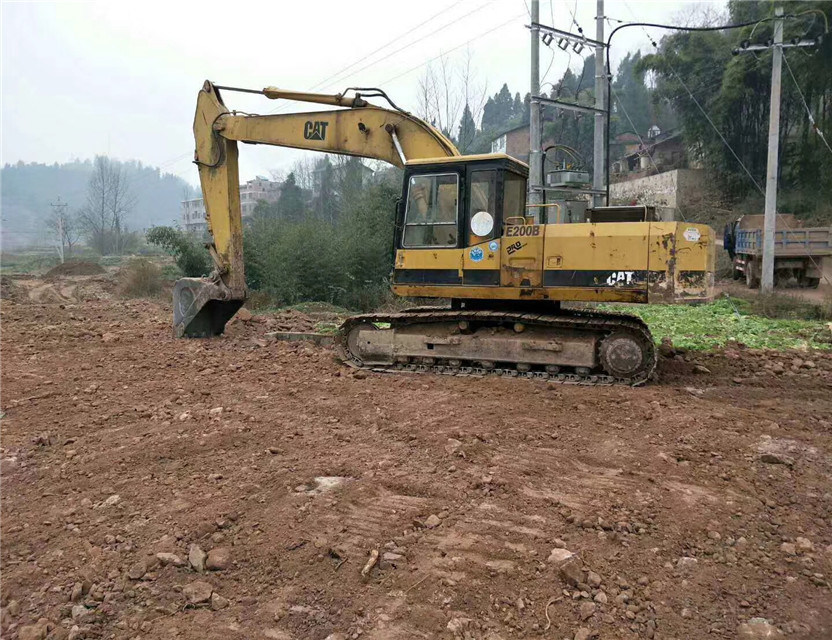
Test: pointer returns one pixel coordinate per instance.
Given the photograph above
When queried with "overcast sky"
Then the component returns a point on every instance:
(121, 78)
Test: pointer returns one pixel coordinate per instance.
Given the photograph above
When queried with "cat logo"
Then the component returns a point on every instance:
(315, 130)
(620, 277)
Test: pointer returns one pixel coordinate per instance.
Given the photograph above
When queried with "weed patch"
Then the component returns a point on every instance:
(730, 320)
(140, 279)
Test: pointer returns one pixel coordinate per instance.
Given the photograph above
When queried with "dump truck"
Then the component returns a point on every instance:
(798, 251)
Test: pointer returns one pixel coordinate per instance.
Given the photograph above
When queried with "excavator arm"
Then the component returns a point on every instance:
(202, 307)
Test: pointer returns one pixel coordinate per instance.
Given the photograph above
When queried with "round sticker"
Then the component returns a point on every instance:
(692, 234)
(482, 223)
(476, 254)
(493, 245)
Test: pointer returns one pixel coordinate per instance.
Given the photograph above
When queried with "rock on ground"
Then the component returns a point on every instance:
(197, 592)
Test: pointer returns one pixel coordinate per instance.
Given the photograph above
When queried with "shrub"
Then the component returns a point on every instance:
(782, 305)
(139, 279)
(191, 257)
(346, 263)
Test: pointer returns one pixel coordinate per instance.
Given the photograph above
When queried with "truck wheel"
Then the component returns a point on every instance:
(736, 273)
(812, 283)
(751, 278)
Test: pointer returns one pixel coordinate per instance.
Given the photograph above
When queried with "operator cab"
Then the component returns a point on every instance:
(459, 202)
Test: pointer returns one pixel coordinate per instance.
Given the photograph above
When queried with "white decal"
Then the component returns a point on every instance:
(617, 277)
(692, 234)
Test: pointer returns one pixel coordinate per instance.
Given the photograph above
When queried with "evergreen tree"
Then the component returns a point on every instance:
(632, 97)
(518, 110)
(467, 130)
(290, 202)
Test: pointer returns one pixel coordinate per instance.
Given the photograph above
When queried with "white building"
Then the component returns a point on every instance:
(252, 192)
(193, 216)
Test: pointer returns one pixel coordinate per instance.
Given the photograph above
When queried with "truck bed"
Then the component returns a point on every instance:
(811, 241)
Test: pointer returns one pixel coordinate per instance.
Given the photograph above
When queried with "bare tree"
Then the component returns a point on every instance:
(109, 202)
(700, 15)
(474, 94)
(304, 170)
(66, 229)
(440, 100)
(122, 202)
(445, 89)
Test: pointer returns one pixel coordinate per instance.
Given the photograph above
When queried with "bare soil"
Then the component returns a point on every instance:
(693, 504)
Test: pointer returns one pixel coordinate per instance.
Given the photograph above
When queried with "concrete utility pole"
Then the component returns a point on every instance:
(598, 155)
(770, 221)
(535, 137)
(60, 212)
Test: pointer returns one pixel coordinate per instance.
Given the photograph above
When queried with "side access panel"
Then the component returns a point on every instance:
(440, 267)
(599, 256)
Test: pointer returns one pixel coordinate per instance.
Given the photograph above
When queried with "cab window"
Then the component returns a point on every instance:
(514, 196)
(483, 197)
(432, 211)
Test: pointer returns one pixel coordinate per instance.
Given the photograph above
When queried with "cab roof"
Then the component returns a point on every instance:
(513, 163)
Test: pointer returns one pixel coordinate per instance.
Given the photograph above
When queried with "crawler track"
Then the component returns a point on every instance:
(603, 323)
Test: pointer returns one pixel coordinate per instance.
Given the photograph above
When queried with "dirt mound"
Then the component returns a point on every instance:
(75, 268)
(9, 290)
(68, 289)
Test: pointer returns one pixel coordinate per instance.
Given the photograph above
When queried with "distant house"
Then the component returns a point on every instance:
(515, 142)
(251, 192)
(656, 170)
(193, 216)
(624, 144)
(656, 153)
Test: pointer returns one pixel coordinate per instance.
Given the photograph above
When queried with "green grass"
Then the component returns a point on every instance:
(713, 325)
(27, 263)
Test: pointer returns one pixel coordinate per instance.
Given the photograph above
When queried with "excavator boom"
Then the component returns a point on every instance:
(202, 307)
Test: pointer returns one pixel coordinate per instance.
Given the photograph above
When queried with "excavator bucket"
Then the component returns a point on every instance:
(201, 308)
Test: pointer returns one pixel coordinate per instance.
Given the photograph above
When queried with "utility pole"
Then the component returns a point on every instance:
(598, 155)
(770, 220)
(60, 213)
(535, 137)
(577, 42)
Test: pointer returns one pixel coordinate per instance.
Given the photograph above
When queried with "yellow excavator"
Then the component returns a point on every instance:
(464, 233)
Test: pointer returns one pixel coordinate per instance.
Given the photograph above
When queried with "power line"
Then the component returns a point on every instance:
(574, 20)
(640, 139)
(459, 46)
(402, 48)
(815, 127)
(444, 10)
(643, 26)
(696, 102)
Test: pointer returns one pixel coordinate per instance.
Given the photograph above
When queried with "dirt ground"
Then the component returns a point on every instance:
(500, 508)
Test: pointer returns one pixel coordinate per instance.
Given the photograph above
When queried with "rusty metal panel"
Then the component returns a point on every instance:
(681, 262)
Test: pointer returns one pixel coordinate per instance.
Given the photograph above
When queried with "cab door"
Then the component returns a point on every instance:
(521, 245)
(481, 253)
(429, 252)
